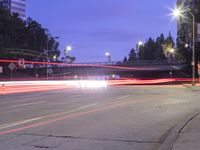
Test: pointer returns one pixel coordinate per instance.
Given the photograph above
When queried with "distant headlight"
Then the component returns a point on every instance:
(92, 84)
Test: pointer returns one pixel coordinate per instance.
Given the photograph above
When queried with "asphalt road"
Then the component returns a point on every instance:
(113, 118)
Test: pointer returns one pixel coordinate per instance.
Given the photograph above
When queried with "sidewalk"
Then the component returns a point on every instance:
(189, 136)
(185, 135)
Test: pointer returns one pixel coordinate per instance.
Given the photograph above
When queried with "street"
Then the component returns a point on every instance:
(109, 118)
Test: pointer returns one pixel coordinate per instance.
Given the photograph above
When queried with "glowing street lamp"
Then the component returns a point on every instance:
(178, 12)
(68, 49)
(140, 43)
(54, 57)
(108, 56)
(172, 50)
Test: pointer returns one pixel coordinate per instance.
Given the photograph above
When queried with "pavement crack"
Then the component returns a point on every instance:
(42, 147)
(100, 139)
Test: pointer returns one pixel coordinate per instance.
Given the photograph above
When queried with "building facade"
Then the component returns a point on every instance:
(15, 6)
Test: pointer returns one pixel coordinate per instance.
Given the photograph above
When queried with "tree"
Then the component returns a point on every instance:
(147, 50)
(132, 56)
(168, 45)
(184, 35)
(159, 53)
(24, 39)
(125, 59)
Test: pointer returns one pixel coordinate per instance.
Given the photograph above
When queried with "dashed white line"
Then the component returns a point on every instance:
(27, 104)
(84, 107)
(18, 123)
(74, 96)
(123, 97)
(28, 96)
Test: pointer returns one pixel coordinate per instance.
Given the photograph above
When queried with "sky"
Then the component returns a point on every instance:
(94, 27)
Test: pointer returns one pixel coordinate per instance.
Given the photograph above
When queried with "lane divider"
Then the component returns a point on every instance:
(27, 104)
(77, 114)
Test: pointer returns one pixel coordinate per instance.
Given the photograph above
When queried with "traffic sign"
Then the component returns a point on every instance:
(12, 66)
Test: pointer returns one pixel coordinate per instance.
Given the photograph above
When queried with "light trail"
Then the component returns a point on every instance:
(77, 113)
(83, 65)
(39, 86)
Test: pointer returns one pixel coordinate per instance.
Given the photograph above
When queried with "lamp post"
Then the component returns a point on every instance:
(67, 50)
(47, 54)
(140, 43)
(171, 61)
(178, 13)
(108, 57)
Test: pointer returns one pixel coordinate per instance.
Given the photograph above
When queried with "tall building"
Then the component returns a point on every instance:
(15, 6)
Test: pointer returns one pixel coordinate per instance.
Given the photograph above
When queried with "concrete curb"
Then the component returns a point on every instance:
(174, 133)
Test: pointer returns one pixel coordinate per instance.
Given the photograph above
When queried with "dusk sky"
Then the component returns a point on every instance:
(94, 27)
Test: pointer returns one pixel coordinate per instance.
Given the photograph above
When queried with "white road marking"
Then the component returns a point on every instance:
(27, 104)
(123, 97)
(18, 123)
(7, 101)
(28, 96)
(74, 96)
(83, 107)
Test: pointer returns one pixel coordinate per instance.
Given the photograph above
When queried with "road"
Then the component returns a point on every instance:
(112, 118)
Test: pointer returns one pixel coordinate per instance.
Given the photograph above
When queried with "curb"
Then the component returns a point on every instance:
(174, 133)
(192, 88)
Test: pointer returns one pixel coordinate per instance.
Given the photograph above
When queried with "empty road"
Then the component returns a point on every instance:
(112, 118)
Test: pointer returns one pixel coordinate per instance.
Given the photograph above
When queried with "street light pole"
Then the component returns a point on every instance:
(193, 50)
(47, 71)
(140, 43)
(171, 62)
(177, 13)
(108, 57)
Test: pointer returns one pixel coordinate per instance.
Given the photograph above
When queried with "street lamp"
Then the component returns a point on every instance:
(140, 43)
(171, 60)
(179, 13)
(67, 50)
(47, 54)
(108, 56)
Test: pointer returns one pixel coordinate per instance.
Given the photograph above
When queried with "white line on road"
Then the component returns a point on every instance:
(26, 104)
(74, 96)
(18, 123)
(8, 101)
(123, 97)
(28, 96)
(83, 107)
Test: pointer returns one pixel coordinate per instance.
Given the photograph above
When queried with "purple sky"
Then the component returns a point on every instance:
(94, 27)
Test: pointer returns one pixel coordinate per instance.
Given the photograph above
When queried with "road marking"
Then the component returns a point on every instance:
(4, 126)
(123, 97)
(7, 101)
(74, 96)
(26, 104)
(83, 107)
(78, 114)
(28, 96)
